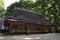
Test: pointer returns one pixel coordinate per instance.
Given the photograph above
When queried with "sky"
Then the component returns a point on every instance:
(8, 2)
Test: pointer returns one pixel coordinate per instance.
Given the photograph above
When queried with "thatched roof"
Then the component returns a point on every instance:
(28, 16)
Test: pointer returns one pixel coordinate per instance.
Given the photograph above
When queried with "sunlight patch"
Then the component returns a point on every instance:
(1, 37)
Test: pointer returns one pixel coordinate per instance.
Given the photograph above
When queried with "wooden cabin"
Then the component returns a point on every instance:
(23, 21)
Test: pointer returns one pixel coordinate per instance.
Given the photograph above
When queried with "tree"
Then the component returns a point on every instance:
(2, 8)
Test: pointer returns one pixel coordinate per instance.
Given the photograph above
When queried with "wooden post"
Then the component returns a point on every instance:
(23, 27)
(10, 30)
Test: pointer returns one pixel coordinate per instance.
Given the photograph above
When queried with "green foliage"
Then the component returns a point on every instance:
(1, 12)
(51, 10)
(2, 4)
(2, 9)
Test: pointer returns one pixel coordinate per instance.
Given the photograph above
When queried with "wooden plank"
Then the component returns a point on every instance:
(10, 29)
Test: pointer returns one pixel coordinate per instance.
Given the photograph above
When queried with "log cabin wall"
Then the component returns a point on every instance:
(45, 28)
(7, 23)
(38, 28)
(17, 26)
(31, 28)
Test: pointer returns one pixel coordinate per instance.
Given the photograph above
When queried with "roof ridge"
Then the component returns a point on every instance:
(27, 10)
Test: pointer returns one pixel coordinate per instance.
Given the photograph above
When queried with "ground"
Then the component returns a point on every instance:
(49, 36)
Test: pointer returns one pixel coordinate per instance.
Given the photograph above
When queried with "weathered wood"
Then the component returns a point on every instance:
(10, 29)
(18, 27)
